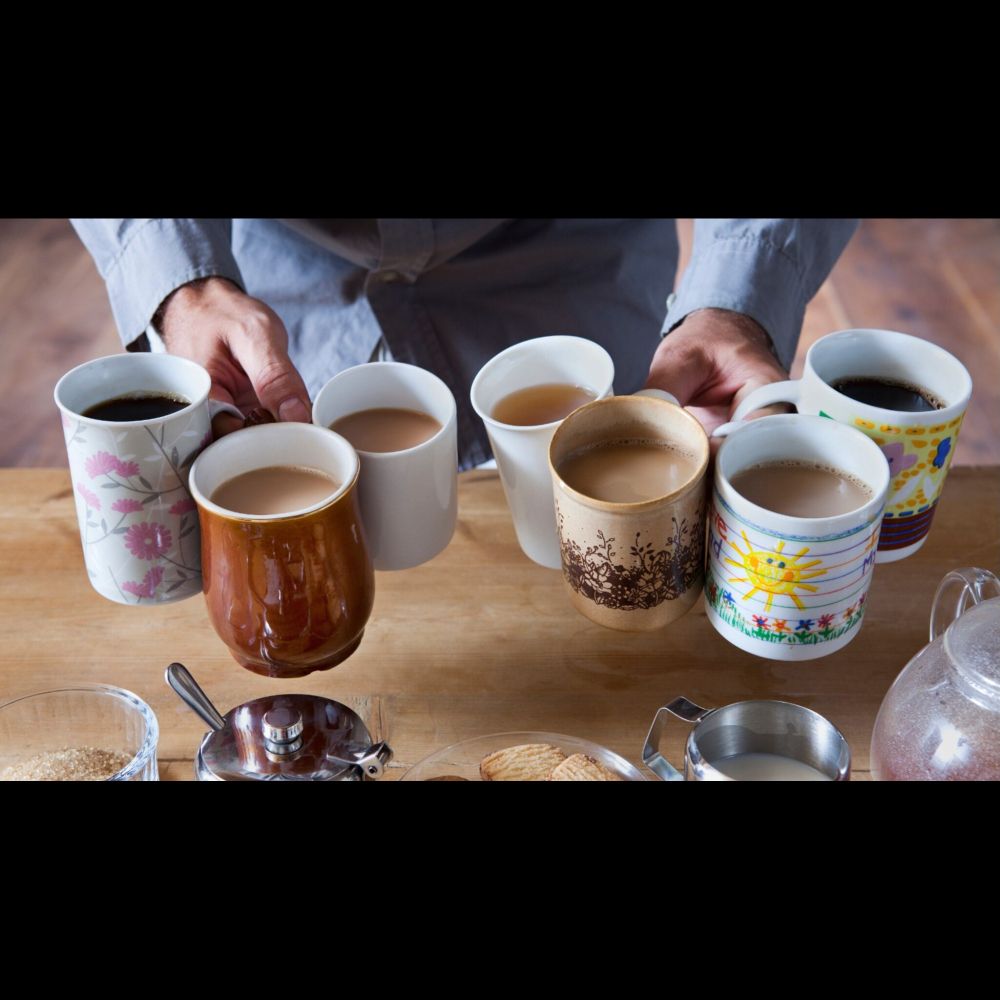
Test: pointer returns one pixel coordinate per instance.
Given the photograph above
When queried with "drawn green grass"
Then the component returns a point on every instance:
(734, 617)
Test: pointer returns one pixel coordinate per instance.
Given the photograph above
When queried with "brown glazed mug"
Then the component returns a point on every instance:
(288, 593)
(633, 566)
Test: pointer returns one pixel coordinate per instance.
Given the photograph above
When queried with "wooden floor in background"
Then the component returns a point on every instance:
(937, 279)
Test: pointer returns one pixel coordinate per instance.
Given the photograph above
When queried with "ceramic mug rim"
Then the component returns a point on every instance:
(282, 428)
(388, 456)
(483, 373)
(789, 525)
(880, 413)
(637, 506)
(193, 367)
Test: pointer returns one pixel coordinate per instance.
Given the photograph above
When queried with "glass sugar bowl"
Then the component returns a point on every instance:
(81, 732)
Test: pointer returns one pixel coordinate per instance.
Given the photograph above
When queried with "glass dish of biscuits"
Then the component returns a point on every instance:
(524, 757)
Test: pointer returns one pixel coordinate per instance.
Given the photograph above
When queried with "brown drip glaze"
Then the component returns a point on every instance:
(292, 595)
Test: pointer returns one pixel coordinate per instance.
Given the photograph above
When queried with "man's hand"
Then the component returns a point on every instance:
(241, 343)
(712, 361)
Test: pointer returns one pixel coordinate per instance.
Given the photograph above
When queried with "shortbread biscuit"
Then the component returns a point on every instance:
(580, 767)
(528, 762)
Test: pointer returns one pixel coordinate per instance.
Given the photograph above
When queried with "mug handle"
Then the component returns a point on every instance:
(686, 711)
(789, 391)
(957, 592)
(216, 406)
(658, 394)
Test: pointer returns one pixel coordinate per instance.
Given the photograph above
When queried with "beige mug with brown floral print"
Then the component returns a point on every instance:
(629, 480)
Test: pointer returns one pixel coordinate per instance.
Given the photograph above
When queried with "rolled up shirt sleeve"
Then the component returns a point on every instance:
(144, 260)
(768, 269)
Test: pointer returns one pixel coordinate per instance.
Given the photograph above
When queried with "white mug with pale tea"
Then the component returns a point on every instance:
(402, 422)
(522, 396)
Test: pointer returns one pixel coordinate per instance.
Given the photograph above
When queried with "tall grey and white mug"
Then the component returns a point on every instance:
(522, 452)
(409, 498)
(138, 523)
(918, 445)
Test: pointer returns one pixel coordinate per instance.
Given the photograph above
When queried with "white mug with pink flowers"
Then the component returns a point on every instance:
(138, 523)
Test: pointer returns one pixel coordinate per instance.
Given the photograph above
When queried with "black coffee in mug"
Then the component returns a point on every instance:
(888, 393)
(137, 406)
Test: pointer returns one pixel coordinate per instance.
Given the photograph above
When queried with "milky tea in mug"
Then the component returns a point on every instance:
(628, 476)
(275, 489)
(627, 471)
(794, 523)
(541, 404)
(403, 423)
(801, 489)
(386, 429)
(521, 394)
(289, 584)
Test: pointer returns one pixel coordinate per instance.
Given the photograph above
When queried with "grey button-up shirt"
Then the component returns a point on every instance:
(448, 294)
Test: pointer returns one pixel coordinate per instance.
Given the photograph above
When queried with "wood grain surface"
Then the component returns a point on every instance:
(479, 640)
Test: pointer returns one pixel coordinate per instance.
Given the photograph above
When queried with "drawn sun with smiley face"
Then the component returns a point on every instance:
(774, 573)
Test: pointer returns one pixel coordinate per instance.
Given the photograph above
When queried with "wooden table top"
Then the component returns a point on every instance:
(480, 640)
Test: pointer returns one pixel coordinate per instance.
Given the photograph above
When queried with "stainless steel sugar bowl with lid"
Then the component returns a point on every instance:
(285, 737)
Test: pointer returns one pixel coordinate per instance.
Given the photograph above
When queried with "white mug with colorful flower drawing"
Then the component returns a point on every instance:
(782, 586)
(917, 443)
(138, 523)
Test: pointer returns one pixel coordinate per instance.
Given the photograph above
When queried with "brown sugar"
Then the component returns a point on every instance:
(68, 764)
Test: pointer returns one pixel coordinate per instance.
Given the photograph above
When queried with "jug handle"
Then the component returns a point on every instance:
(686, 711)
(957, 592)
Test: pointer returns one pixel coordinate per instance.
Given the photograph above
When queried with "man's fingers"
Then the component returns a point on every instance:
(281, 389)
(243, 344)
(755, 382)
(224, 423)
(680, 373)
(278, 386)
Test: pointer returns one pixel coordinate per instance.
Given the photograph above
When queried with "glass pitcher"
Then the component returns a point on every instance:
(940, 720)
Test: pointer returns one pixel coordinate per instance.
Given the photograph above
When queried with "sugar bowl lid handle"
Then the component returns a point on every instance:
(180, 679)
(683, 709)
